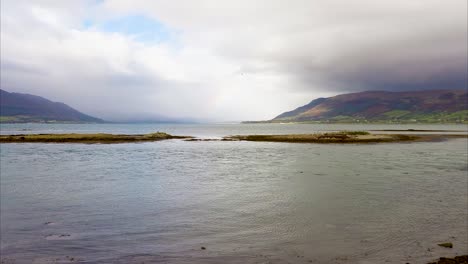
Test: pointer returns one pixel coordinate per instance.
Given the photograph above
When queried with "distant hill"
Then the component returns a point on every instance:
(417, 106)
(20, 108)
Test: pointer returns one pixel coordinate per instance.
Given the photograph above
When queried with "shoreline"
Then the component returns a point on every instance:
(418, 130)
(342, 137)
(377, 122)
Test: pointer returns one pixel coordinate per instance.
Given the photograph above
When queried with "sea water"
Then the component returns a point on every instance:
(243, 202)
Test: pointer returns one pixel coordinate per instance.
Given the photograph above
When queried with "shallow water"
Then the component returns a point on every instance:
(246, 202)
(212, 130)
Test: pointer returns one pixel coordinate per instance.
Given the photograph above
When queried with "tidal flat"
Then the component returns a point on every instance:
(86, 138)
(341, 137)
(345, 137)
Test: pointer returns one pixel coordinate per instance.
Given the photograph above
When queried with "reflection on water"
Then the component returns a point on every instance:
(245, 202)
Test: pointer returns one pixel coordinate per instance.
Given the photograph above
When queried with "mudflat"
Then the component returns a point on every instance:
(456, 260)
(341, 137)
(86, 138)
(345, 137)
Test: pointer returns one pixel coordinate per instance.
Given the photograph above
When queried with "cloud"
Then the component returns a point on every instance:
(227, 60)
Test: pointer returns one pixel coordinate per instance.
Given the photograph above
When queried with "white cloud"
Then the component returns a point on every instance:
(229, 60)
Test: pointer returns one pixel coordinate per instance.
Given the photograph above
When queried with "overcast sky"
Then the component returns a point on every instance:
(227, 60)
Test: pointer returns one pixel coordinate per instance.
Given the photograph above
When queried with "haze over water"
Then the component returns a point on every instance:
(245, 202)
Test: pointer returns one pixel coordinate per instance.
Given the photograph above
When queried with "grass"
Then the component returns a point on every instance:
(441, 117)
(85, 138)
(395, 114)
(346, 132)
(390, 117)
(6, 119)
(36, 119)
(446, 245)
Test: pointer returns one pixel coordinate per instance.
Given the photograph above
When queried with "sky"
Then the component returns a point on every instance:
(226, 60)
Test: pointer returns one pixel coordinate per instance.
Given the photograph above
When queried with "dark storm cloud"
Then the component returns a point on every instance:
(432, 60)
(396, 46)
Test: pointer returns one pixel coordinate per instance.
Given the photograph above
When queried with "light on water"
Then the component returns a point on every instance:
(243, 202)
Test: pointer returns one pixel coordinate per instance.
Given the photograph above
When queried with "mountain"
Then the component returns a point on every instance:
(20, 108)
(372, 106)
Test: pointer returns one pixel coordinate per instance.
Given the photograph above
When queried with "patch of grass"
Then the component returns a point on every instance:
(446, 245)
(342, 117)
(6, 119)
(353, 133)
(459, 115)
(443, 117)
(157, 135)
(395, 114)
(36, 119)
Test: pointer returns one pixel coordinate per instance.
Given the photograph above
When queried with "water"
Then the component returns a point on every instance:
(211, 130)
(245, 202)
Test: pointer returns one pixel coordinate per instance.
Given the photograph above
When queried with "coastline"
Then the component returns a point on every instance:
(341, 137)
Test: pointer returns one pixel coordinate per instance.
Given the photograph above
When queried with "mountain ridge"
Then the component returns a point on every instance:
(450, 105)
(21, 108)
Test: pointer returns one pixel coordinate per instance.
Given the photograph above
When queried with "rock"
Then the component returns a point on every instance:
(446, 245)
(203, 248)
(456, 260)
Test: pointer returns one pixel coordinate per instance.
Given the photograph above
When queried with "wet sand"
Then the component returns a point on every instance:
(343, 138)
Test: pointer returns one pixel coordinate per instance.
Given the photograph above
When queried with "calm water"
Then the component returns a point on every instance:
(246, 202)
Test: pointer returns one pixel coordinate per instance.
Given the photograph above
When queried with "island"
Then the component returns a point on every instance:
(344, 137)
(87, 138)
(340, 137)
